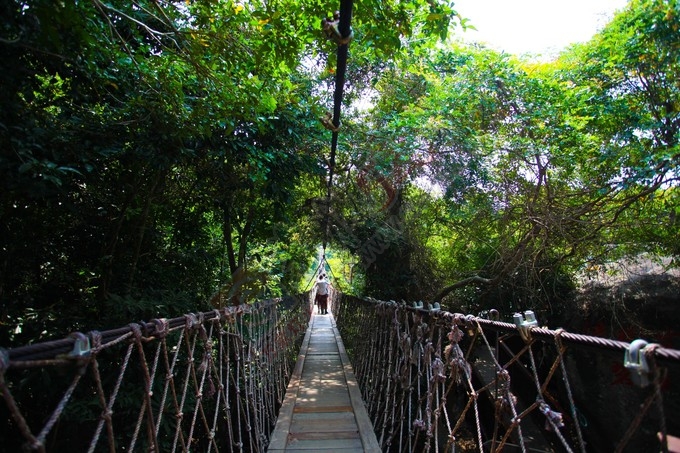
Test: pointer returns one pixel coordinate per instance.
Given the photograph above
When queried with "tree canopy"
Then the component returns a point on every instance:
(158, 157)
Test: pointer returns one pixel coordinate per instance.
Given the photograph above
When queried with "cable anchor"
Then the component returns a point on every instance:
(524, 324)
(81, 345)
(635, 360)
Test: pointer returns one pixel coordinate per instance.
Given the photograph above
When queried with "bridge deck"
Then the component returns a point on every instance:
(323, 410)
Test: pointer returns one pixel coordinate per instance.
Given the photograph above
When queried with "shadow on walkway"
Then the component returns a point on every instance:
(323, 410)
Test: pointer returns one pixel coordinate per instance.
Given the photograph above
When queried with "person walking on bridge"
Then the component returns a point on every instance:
(322, 290)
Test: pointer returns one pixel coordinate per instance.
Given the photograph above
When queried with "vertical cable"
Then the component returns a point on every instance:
(341, 69)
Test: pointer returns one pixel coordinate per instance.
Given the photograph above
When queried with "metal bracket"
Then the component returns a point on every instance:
(524, 324)
(81, 345)
(635, 360)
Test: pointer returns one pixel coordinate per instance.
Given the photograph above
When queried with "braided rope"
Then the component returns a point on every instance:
(421, 376)
(565, 377)
(106, 414)
(210, 381)
(40, 439)
(433, 381)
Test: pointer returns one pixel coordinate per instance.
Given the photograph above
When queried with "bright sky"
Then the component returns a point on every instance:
(535, 26)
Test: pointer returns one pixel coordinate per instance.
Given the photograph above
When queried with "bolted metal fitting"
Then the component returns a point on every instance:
(635, 361)
(524, 324)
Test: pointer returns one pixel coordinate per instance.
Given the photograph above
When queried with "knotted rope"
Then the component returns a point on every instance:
(210, 381)
(438, 381)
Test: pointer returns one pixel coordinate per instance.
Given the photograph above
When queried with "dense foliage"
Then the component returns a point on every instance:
(509, 180)
(157, 153)
(154, 154)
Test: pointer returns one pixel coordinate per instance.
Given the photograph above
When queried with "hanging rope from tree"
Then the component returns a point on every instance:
(338, 29)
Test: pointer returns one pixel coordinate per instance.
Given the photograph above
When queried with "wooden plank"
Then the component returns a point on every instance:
(317, 409)
(326, 442)
(320, 398)
(320, 369)
(322, 349)
(322, 366)
(320, 385)
(326, 401)
(323, 387)
(327, 436)
(325, 422)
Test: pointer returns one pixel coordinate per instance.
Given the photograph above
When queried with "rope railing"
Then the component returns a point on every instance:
(206, 382)
(431, 381)
(435, 381)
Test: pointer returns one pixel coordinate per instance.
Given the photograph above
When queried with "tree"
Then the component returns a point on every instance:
(112, 114)
(546, 168)
(151, 150)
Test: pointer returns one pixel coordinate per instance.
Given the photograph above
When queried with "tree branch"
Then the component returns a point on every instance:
(459, 284)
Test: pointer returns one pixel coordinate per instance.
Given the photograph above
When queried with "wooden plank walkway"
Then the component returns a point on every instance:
(323, 410)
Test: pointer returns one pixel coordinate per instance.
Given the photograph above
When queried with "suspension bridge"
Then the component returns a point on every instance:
(276, 376)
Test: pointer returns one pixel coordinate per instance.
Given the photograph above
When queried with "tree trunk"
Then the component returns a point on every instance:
(226, 235)
(142, 229)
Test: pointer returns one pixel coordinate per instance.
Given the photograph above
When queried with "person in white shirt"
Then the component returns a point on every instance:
(322, 287)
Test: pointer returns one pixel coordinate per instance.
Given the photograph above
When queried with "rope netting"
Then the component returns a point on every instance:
(438, 381)
(211, 381)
